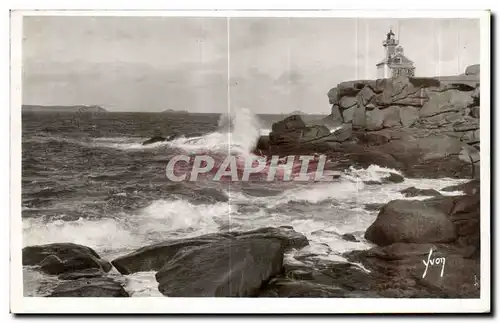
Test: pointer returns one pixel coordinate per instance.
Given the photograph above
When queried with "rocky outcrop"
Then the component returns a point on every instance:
(215, 265)
(224, 269)
(397, 270)
(426, 127)
(293, 134)
(81, 271)
(330, 279)
(398, 265)
(429, 119)
(58, 258)
(469, 188)
(411, 222)
(154, 257)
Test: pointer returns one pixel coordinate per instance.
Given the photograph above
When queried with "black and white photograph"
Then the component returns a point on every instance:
(266, 157)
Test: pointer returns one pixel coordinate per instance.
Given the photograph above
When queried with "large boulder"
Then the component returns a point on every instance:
(446, 101)
(434, 154)
(290, 238)
(58, 258)
(154, 257)
(226, 269)
(408, 116)
(411, 222)
(348, 115)
(398, 270)
(336, 116)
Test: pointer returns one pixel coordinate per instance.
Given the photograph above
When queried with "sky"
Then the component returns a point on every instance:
(209, 64)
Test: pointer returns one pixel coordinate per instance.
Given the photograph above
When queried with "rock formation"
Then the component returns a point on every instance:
(447, 225)
(427, 127)
(80, 269)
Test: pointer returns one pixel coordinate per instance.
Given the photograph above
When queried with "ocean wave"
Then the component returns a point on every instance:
(350, 189)
(161, 220)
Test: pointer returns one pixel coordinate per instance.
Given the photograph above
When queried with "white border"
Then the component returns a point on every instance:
(20, 304)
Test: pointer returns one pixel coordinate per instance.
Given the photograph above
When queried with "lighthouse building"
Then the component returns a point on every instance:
(395, 62)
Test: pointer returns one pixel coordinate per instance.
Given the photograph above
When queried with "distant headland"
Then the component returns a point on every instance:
(175, 111)
(63, 108)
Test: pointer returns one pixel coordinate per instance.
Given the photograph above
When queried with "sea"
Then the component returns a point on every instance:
(87, 179)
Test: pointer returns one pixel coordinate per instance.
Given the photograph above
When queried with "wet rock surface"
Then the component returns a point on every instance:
(430, 269)
(224, 269)
(154, 257)
(60, 258)
(91, 287)
(413, 191)
(410, 221)
(81, 271)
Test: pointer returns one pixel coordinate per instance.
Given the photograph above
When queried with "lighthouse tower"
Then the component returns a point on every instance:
(395, 62)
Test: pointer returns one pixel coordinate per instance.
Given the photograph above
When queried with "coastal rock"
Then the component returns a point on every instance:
(469, 188)
(336, 115)
(290, 123)
(346, 102)
(359, 117)
(314, 132)
(434, 156)
(154, 140)
(398, 270)
(374, 120)
(60, 258)
(154, 257)
(410, 221)
(290, 238)
(474, 112)
(446, 101)
(349, 237)
(471, 137)
(235, 268)
(86, 273)
(413, 191)
(323, 279)
(90, 287)
(392, 118)
(391, 178)
(408, 116)
(373, 206)
(430, 113)
(394, 178)
(286, 287)
(348, 114)
(349, 88)
(466, 216)
(342, 134)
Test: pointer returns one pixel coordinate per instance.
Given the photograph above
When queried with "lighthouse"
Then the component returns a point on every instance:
(395, 63)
